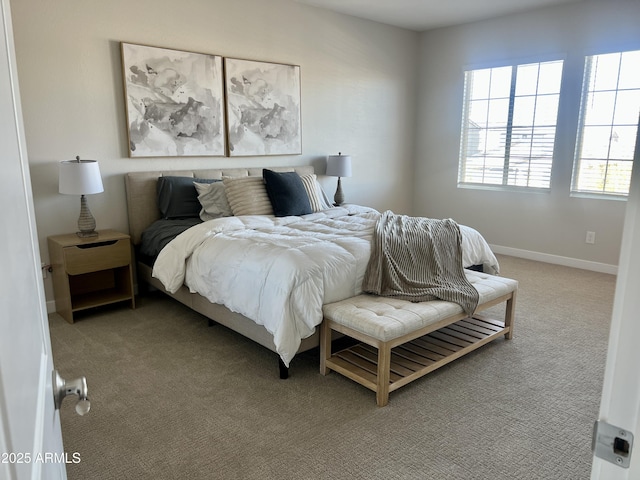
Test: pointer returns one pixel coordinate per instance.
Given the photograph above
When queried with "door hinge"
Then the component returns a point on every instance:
(611, 443)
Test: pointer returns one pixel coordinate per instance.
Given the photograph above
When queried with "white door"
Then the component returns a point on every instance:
(620, 404)
(30, 436)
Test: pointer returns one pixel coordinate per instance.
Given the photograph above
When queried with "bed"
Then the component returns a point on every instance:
(278, 306)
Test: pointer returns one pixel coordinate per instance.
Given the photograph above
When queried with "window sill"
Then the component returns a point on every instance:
(599, 196)
(503, 188)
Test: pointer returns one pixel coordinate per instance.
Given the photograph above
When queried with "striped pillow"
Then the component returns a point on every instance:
(316, 196)
(247, 196)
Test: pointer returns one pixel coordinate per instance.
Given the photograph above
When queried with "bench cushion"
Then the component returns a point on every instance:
(386, 318)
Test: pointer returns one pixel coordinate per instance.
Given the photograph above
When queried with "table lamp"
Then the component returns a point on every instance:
(339, 166)
(81, 177)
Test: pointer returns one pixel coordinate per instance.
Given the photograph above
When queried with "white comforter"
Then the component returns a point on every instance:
(280, 271)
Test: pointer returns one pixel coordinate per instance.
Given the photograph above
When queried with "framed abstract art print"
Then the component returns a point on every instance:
(174, 102)
(263, 108)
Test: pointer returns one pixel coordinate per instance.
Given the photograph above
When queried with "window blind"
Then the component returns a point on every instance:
(608, 126)
(509, 125)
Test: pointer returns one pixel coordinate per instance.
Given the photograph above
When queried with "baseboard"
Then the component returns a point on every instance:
(51, 306)
(556, 259)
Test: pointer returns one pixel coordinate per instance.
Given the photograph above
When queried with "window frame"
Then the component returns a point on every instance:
(577, 156)
(506, 159)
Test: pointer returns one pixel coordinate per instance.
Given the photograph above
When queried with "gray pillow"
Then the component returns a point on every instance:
(213, 199)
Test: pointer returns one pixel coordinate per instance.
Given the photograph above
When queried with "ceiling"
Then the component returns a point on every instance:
(423, 15)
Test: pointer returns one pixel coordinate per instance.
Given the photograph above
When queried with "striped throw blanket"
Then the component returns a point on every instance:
(418, 259)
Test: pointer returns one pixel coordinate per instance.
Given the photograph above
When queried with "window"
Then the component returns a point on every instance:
(608, 124)
(509, 125)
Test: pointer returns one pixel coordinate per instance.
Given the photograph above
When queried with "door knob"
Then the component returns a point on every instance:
(62, 388)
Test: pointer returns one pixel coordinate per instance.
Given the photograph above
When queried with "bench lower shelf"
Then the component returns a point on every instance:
(419, 356)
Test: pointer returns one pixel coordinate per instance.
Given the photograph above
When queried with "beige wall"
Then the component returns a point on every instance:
(385, 95)
(358, 92)
(552, 223)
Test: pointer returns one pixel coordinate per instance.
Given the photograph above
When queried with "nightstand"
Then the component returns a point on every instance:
(90, 272)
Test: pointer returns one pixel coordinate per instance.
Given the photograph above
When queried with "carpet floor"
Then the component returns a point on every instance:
(172, 398)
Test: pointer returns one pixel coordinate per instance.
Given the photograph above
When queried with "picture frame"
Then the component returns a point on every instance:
(174, 102)
(263, 108)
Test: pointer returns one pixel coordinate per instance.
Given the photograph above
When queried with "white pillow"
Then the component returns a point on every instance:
(317, 198)
(247, 196)
(213, 199)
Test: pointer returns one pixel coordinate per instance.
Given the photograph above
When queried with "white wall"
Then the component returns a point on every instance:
(358, 92)
(552, 223)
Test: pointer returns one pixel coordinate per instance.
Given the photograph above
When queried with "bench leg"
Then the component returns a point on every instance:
(325, 346)
(384, 367)
(509, 315)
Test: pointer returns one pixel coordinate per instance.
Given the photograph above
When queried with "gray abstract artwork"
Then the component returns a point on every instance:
(263, 108)
(174, 102)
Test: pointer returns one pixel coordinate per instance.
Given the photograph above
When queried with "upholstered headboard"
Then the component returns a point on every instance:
(141, 190)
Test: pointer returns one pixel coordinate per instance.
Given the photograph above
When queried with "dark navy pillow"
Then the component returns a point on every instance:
(177, 196)
(286, 193)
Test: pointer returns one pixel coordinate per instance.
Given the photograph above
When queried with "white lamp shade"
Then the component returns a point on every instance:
(339, 165)
(80, 177)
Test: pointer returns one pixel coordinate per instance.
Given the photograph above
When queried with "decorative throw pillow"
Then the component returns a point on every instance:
(247, 196)
(317, 197)
(287, 193)
(177, 196)
(213, 200)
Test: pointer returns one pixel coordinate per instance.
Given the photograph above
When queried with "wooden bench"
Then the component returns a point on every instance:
(412, 339)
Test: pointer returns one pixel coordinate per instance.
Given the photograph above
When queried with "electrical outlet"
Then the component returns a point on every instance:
(591, 237)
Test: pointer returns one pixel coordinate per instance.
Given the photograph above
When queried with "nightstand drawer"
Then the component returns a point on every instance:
(93, 257)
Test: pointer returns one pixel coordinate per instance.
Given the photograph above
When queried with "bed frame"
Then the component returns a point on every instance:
(143, 211)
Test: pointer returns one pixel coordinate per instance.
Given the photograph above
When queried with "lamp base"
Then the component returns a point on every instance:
(338, 198)
(86, 222)
(87, 234)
